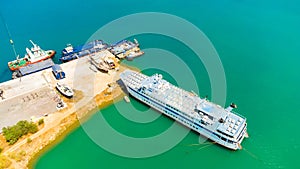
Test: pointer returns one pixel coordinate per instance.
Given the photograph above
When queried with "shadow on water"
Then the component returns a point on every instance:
(122, 86)
(199, 146)
(134, 102)
(207, 144)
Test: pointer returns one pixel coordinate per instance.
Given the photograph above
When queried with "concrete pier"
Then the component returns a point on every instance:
(35, 95)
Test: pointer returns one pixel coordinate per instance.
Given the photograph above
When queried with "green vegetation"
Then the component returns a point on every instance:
(13, 133)
(41, 121)
(19, 156)
(29, 140)
(4, 162)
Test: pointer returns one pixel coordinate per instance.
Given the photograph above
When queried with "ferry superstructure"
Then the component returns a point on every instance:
(219, 124)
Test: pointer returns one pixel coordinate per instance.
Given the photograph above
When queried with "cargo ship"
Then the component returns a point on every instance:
(70, 53)
(33, 55)
(221, 125)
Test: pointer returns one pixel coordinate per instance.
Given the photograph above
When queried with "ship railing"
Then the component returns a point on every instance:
(238, 114)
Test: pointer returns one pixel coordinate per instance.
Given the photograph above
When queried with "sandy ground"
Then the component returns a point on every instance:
(55, 127)
(27, 106)
(35, 95)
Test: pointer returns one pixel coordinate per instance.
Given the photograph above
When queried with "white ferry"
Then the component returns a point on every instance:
(219, 124)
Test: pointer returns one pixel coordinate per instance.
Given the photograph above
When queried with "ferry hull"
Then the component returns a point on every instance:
(199, 130)
(218, 124)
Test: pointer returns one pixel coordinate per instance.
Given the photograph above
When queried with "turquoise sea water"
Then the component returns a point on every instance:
(258, 44)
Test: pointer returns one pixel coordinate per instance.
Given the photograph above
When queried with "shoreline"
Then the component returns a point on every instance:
(34, 159)
(59, 124)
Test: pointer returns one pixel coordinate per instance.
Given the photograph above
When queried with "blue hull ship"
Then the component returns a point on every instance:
(70, 53)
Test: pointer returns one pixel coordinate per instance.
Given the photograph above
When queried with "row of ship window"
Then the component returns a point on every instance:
(185, 121)
(240, 136)
(181, 119)
(162, 102)
(191, 125)
(195, 127)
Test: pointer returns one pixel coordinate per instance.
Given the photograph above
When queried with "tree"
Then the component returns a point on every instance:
(13, 133)
(41, 121)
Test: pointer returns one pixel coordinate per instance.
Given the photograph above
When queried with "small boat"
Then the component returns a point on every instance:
(99, 64)
(126, 98)
(33, 55)
(134, 54)
(65, 90)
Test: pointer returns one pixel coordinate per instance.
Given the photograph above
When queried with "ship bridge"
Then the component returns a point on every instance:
(155, 83)
(232, 125)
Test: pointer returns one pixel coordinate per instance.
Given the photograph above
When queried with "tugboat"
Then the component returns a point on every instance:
(33, 55)
(65, 90)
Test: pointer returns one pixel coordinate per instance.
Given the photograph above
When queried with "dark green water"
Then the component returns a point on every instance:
(258, 44)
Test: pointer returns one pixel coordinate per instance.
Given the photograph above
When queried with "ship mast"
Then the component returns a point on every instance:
(9, 35)
(33, 44)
